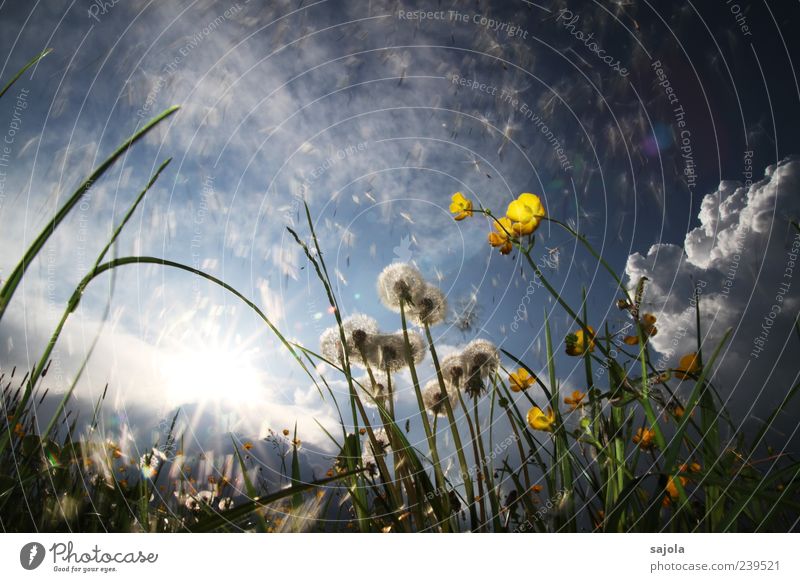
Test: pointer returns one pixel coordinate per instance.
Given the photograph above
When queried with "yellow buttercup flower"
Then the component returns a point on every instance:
(578, 344)
(539, 420)
(649, 329)
(501, 238)
(575, 400)
(644, 438)
(520, 380)
(526, 212)
(687, 366)
(460, 206)
(672, 489)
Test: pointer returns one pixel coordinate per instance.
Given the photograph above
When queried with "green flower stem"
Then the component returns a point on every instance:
(391, 484)
(451, 419)
(481, 498)
(437, 466)
(322, 275)
(486, 470)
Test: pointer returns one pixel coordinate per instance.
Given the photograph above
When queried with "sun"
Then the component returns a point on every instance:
(211, 373)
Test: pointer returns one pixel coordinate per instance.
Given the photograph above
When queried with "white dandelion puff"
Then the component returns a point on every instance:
(482, 361)
(434, 400)
(454, 370)
(357, 332)
(430, 306)
(205, 497)
(150, 463)
(387, 352)
(378, 392)
(399, 282)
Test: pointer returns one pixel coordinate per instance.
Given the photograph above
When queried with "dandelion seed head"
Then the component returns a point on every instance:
(482, 362)
(150, 463)
(399, 282)
(434, 400)
(453, 370)
(430, 306)
(387, 352)
(357, 331)
(481, 357)
(378, 392)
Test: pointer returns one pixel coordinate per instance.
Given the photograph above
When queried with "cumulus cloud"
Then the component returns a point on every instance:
(742, 258)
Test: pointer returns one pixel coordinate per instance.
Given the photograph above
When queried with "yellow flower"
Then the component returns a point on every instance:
(520, 380)
(540, 420)
(577, 344)
(501, 237)
(672, 489)
(649, 329)
(692, 467)
(460, 206)
(644, 438)
(688, 366)
(286, 432)
(526, 212)
(575, 400)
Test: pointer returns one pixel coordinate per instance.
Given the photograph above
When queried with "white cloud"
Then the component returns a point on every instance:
(742, 257)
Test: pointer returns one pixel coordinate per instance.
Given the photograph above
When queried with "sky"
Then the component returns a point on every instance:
(663, 132)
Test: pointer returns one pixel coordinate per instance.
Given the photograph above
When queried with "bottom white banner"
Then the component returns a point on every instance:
(335, 557)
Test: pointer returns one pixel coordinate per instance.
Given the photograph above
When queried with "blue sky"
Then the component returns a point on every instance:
(358, 108)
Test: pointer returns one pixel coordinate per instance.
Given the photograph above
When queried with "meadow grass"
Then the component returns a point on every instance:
(638, 457)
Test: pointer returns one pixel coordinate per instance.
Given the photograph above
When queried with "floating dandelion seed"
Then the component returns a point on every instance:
(387, 352)
(357, 331)
(434, 400)
(482, 362)
(399, 282)
(467, 314)
(430, 306)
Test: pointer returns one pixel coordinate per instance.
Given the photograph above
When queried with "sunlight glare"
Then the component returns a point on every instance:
(211, 374)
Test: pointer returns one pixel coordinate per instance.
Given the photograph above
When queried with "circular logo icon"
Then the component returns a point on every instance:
(31, 555)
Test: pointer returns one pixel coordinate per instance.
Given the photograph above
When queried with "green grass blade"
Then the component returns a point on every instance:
(216, 520)
(27, 66)
(15, 278)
